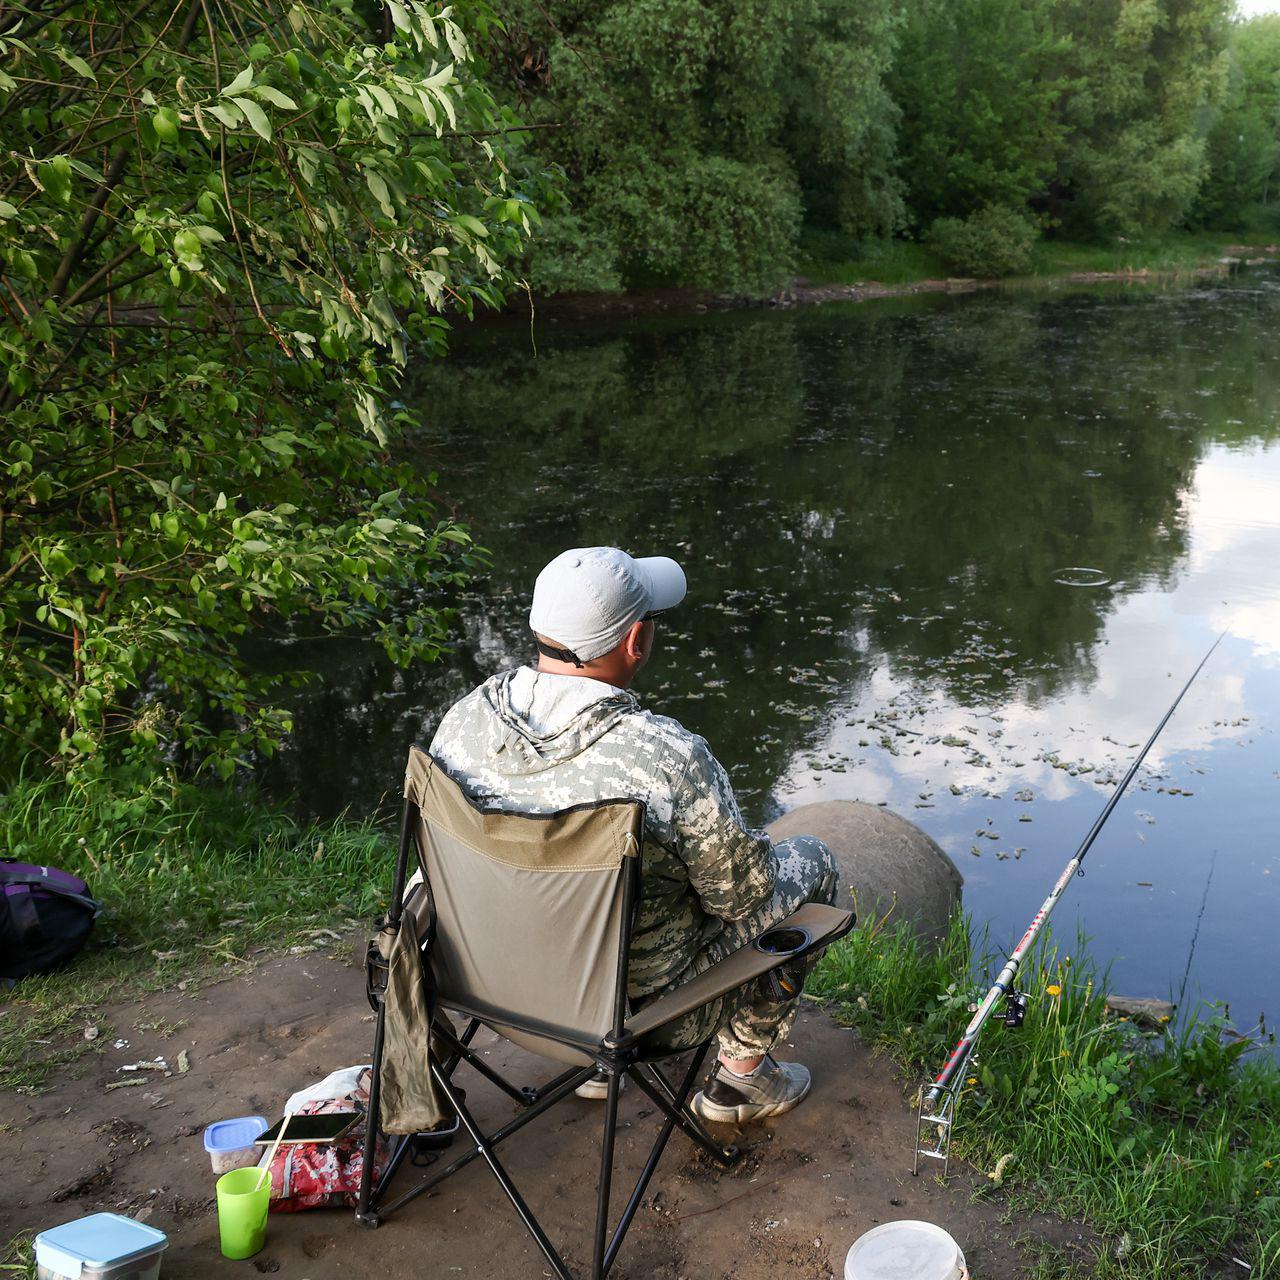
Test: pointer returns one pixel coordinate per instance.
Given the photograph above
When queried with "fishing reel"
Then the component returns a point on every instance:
(1015, 1009)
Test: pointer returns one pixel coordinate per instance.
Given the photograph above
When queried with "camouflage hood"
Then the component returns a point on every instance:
(532, 721)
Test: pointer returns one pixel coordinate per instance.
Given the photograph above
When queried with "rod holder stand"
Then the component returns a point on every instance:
(935, 1122)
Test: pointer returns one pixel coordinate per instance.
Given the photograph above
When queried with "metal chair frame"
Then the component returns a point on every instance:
(619, 1054)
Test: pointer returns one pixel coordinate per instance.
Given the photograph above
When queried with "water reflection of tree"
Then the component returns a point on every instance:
(913, 474)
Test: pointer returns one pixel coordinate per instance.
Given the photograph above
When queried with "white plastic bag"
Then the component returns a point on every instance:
(334, 1085)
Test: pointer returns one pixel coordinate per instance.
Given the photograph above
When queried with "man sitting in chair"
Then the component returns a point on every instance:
(569, 732)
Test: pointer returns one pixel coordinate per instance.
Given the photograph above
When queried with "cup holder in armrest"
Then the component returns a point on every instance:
(783, 942)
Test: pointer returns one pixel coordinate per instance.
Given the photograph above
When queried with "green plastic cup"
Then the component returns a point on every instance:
(242, 1211)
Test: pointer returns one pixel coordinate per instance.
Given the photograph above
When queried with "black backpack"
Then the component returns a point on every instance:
(45, 917)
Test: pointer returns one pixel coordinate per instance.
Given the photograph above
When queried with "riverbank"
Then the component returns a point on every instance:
(808, 1186)
(1084, 1148)
(1166, 1140)
(833, 269)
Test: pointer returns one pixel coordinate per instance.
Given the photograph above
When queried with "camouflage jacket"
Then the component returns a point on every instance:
(537, 743)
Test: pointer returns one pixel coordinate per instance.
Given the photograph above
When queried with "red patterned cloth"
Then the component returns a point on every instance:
(310, 1175)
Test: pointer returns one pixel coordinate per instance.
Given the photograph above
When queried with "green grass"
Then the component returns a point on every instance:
(17, 1257)
(193, 881)
(828, 257)
(1167, 1144)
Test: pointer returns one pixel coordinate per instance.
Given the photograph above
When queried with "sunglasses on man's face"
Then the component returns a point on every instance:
(650, 617)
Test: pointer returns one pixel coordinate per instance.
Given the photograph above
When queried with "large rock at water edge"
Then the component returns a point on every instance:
(885, 862)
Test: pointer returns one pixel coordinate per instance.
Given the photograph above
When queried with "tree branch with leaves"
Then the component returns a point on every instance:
(225, 230)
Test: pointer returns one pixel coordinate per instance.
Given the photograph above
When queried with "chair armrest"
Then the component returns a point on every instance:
(822, 923)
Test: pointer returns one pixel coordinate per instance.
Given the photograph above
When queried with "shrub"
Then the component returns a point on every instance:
(995, 241)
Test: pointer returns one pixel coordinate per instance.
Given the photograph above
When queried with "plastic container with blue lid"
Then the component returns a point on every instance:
(230, 1143)
(103, 1246)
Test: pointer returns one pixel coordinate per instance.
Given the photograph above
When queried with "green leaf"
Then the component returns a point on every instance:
(228, 114)
(7, 210)
(381, 193)
(274, 96)
(441, 77)
(57, 563)
(474, 225)
(165, 122)
(77, 64)
(55, 177)
(256, 117)
(385, 100)
(186, 248)
(239, 84)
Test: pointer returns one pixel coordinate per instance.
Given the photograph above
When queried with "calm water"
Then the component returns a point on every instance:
(874, 505)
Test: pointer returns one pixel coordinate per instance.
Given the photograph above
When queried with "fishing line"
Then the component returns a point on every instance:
(1204, 901)
(942, 1090)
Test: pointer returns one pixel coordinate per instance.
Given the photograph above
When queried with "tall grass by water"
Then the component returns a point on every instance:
(192, 881)
(1166, 1142)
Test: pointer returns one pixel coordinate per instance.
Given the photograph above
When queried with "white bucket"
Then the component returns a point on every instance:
(905, 1251)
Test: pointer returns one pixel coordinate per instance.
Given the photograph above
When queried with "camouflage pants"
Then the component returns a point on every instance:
(749, 1021)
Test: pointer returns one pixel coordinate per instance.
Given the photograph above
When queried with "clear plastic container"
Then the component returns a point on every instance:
(230, 1143)
(103, 1246)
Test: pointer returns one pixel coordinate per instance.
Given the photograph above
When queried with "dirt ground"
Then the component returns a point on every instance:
(810, 1184)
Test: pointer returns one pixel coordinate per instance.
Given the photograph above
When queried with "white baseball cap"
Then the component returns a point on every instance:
(587, 598)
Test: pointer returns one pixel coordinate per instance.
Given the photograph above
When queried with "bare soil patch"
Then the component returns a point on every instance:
(810, 1184)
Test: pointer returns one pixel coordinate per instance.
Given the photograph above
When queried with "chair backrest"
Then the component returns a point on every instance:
(532, 913)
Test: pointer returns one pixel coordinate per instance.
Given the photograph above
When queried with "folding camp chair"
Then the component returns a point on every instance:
(523, 924)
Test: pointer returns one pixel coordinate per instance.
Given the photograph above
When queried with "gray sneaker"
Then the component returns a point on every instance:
(771, 1090)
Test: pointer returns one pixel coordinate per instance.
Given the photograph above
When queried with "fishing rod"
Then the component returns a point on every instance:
(938, 1101)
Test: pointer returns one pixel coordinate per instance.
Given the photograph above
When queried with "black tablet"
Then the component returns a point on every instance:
(327, 1128)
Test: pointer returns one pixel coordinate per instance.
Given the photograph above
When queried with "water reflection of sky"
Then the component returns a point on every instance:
(872, 504)
(1184, 884)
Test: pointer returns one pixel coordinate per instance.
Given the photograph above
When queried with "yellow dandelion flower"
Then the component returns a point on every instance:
(1164, 1017)
(972, 1080)
(1053, 989)
(1266, 1164)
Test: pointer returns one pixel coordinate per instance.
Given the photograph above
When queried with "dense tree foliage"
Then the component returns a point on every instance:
(221, 228)
(981, 84)
(1149, 76)
(694, 132)
(700, 136)
(1244, 143)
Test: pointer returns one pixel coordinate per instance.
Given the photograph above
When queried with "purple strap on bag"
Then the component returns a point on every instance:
(47, 914)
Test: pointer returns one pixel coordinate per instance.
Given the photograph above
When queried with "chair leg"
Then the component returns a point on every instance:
(485, 1148)
(364, 1214)
(650, 1166)
(460, 1051)
(675, 1105)
(532, 1112)
(606, 1176)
